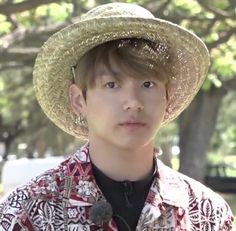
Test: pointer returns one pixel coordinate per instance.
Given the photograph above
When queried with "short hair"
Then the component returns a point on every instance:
(136, 57)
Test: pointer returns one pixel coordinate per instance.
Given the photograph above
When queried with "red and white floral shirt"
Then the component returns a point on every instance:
(61, 198)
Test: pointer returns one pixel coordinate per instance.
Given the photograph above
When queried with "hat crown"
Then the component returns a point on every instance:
(117, 10)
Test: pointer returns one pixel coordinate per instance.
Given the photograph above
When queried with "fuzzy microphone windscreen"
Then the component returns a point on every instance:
(101, 212)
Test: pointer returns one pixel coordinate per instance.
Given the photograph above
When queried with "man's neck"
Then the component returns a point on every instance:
(122, 164)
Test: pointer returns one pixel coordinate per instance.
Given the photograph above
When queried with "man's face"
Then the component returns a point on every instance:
(125, 113)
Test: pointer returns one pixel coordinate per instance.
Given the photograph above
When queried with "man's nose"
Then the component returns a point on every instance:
(132, 101)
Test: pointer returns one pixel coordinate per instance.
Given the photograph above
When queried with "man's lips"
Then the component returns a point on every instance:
(132, 124)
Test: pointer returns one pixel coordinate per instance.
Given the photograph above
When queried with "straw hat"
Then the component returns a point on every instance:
(52, 71)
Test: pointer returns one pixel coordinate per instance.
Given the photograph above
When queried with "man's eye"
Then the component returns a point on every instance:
(111, 85)
(148, 84)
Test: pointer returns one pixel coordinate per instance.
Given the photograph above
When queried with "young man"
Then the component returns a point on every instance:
(115, 78)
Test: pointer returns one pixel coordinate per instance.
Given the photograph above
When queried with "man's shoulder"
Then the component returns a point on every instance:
(200, 202)
(46, 191)
(53, 183)
(191, 188)
(197, 189)
(49, 184)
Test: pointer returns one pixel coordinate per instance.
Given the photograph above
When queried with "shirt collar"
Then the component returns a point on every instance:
(171, 189)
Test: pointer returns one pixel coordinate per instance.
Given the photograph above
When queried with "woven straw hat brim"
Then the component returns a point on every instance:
(52, 72)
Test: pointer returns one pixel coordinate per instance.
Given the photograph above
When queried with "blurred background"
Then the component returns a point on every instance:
(201, 143)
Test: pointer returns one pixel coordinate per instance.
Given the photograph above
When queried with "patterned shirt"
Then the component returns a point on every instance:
(61, 199)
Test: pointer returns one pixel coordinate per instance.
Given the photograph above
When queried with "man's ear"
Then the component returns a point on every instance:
(77, 100)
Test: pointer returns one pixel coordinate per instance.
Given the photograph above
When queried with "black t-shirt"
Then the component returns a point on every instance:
(127, 198)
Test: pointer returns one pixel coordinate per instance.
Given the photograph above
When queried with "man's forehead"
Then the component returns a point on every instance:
(107, 75)
(121, 76)
(114, 71)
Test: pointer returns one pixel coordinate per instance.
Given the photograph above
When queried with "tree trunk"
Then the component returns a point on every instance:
(166, 153)
(196, 127)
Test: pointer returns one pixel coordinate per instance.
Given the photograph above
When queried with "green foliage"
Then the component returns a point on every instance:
(5, 27)
(224, 59)
(191, 7)
(56, 12)
(167, 134)
(206, 85)
(18, 1)
(222, 4)
(14, 97)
